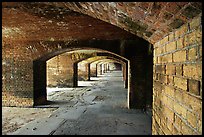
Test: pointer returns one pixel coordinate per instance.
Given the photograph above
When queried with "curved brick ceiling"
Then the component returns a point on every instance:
(42, 22)
(149, 20)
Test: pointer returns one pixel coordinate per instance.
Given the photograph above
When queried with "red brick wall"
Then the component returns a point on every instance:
(17, 70)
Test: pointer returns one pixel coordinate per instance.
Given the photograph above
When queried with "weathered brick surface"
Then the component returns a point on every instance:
(181, 94)
(192, 118)
(180, 83)
(179, 56)
(160, 69)
(179, 70)
(192, 54)
(185, 129)
(177, 122)
(181, 31)
(93, 70)
(179, 109)
(165, 59)
(170, 80)
(171, 36)
(28, 34)
(180, 43)
(171, 46)
(194, 86)
(198, 33)
(169, 91)
(170, 69)
(178, 95)
(60, 71)
(193, 71)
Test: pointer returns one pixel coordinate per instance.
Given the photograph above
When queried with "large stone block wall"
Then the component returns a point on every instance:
(17, 69)
(177, 81)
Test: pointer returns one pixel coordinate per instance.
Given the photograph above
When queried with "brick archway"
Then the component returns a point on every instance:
(39, 72)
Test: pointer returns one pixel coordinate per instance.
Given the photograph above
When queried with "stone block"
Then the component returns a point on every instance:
(179, 56)
(170, 80)
(192, 53)
(180, 83)
(164, 40)
(180, 43)
(162, 78)
(167, 58)
(179, 70)
(181, 31)
(169, 91)
(177, 122)
(194, 86)
(198, 36)
(186, 130)
(192, 119)
(170, 69)
(193, 71)
(171, 36)
(176, 131)
(160, 69)
(155, 60)
(193, 103)
(168, 113)
(171, 46)
(191, 38)
(178, 95)
(180, 110)
(195, 23)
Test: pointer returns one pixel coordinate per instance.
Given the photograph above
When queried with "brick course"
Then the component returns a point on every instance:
(181, 100)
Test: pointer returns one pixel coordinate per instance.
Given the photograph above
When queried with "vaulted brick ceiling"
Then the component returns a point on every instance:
(148, 20)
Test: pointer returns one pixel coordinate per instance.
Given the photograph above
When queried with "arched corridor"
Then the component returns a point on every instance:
(155, 46)
(96, 107)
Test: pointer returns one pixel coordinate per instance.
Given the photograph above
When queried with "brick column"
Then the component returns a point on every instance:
(104, 68)
(39, 77)
(136, 84)
(75, 75)
(125, 74)
(101, 69)
(89, 71)
(96, 70)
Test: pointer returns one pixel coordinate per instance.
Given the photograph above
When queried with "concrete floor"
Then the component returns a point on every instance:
(96, 107)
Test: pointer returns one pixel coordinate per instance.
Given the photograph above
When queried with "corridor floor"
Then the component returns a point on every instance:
(96, 107)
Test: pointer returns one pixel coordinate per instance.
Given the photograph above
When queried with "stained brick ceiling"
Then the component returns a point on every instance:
(148, 20)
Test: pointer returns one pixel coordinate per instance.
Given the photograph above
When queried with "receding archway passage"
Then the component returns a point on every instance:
(96, 107)
(62, 70)
(158, 44)
(66, 74)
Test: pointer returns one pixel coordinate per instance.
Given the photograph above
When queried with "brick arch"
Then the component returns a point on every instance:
(123, 64)
(112, 60)
(38, 43)
(39, 70)
(105, 55)
(100, 58)
(151, 21)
